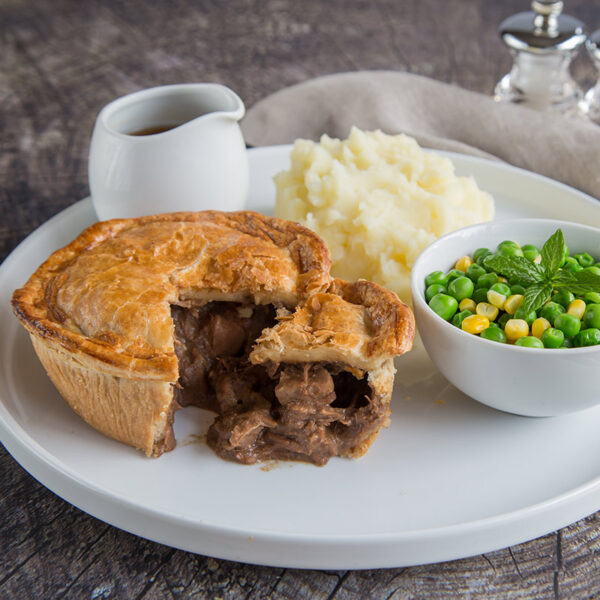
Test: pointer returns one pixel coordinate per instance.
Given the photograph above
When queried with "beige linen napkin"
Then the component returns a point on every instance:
(439, 115)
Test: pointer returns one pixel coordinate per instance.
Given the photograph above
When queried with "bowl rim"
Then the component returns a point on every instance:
(418, 293)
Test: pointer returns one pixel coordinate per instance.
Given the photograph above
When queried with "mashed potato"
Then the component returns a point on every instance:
(377, 200)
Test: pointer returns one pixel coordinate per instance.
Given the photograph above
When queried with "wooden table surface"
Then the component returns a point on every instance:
(60, 62)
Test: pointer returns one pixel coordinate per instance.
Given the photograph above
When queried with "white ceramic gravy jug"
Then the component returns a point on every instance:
(169, 148)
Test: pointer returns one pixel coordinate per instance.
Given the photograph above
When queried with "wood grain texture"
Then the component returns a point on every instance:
(60, 62)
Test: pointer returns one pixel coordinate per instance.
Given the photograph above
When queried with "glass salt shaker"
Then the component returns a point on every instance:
(590, 105)
(542, 41)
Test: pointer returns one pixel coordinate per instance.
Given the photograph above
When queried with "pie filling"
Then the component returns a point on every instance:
(285, 411)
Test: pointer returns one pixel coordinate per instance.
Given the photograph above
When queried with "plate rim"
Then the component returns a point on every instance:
(35, 459)
(482, 160)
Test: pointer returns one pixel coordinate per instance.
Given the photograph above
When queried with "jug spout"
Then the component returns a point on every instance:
(218, 100)
(238, 109)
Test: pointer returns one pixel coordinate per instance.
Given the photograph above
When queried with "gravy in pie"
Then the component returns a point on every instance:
(285, 411)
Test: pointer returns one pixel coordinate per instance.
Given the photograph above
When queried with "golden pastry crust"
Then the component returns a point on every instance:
(360, 324)
(106, 296)
(133, 411)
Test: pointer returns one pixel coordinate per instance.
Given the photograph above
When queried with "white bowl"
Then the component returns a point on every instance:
(525, 381)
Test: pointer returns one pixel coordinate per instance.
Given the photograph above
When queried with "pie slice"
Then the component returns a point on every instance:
(233, 312)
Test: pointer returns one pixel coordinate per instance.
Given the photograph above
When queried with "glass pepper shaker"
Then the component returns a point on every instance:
(590, 105)
(542, 41)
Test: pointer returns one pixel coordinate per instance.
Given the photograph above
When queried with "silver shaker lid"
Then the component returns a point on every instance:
(543, 30)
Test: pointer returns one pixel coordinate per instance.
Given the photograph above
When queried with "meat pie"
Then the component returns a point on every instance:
(232, 312)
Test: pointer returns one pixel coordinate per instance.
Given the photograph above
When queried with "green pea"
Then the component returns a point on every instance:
(595, 270)
(501, 288)
(508, 248)
(529, 342)
(454, 274)
(568, 324)
(563, 297)
(481, 258)
(507, 244)
(458, 318)
(553, 338)
(487, 281)
(530, 316)
(480, 252)
(568, 343)
(584, 259)
(591, 317)
(530, 252)
(494, 334)
(597, 264)
(517, 289)
(494, 324)
(565, 256)
(587, 337)
(461, 288)
(508, 251)
(592, 298)
(480, 295)
(474, 272)
(551, 310)
(432, 290)
(502, 319)
(436, 277)
(443, 305)
(572, 265)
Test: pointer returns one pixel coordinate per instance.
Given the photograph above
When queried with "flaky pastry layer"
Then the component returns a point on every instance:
(360, 324)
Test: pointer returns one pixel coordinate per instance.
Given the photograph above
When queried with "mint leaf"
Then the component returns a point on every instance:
(536, 296)
(563, 279)
(516, 268)
(553, 253)
(578, 282)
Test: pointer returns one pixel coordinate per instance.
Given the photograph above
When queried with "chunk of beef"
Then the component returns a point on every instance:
(236, 435)
(206, 335)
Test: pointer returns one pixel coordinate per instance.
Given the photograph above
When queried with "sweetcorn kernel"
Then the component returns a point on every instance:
(475, 324)
(489, 311)
(538, 259)
(512, 303)
(463, 263)
(467, 304)
(515, 329)
(502, 279)
(577, 308)
(496, 298)
(539, 326)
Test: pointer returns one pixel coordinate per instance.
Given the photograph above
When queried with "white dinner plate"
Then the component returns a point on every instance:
(448, 479)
